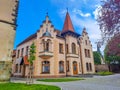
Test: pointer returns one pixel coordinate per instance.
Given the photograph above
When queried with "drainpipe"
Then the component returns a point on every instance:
(65, 57)
(81, 58)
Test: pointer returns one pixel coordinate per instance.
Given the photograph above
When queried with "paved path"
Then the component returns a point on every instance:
(111, 82)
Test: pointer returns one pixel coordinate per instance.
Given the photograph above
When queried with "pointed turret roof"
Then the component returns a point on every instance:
(68, 26)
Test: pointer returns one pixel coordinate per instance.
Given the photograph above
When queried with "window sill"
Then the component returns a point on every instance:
(61, 72)
(45, 73)
(61, 52)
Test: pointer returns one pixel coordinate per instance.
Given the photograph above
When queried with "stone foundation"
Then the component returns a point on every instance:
(5, 70)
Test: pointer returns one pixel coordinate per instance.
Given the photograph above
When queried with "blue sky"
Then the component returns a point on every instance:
(82, 12)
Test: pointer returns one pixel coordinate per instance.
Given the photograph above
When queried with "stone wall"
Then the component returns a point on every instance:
(5, 70)
(102, 67)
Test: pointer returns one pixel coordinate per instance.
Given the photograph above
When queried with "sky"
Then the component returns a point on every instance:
(83, 13)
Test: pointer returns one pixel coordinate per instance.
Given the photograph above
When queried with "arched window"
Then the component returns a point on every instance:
(47, 46)
(90, 66)
(73, 48)
(61, 66)
(87, 67)
(45, 67)
(43, 43)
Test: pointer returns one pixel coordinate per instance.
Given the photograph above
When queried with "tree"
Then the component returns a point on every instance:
(112, 49)
(30, 60)
(109, 18)
(97, 57)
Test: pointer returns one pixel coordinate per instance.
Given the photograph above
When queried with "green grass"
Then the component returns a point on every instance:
(20, 86)
(104, 73)
(60, 79)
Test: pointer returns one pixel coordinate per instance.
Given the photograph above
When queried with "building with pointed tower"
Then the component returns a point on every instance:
(58, 53)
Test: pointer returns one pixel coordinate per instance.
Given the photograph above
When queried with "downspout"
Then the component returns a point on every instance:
(65, 57)
(81, 58)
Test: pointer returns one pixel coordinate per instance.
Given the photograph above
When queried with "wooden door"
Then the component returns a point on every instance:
(75, 68)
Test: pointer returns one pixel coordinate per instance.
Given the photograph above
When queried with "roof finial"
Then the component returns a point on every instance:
(67, 9)
(47, 17)
(84, 28)
(47, 12)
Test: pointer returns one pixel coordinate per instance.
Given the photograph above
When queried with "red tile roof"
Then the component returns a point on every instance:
(68, 26)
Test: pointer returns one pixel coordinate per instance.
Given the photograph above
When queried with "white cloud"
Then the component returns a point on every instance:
(91, 26)
(80, 19)
(77, 11)
(96, 12)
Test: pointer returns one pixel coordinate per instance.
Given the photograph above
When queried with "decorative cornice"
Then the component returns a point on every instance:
(3, 21)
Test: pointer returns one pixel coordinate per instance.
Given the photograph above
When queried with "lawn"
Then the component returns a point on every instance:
(60, 79)
(104, 73)
(20, 86)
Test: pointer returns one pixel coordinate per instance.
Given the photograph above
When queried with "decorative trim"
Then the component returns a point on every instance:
(7, 22)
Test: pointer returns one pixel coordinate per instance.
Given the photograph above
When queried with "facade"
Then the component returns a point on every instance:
(58, 53)
(8, 14)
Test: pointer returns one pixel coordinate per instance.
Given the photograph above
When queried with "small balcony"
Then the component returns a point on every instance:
(72, 55)
(45, 54)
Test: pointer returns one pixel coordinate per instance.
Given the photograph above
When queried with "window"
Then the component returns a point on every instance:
(61, 66)
(22, 52)
(43, 42)
(18, 53)
(60, 48)
(90, 66)
(87, 53)
(86, 42)
(73, 48)
(27, 48)
(67, 66)
(45, 67)
(47, 46)
(67, 51)
(87, 67)
(16, 68)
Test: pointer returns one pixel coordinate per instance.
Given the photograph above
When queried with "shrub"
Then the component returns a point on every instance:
(104, 73)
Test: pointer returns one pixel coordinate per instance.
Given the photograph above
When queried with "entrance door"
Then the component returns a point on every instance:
(75, 69)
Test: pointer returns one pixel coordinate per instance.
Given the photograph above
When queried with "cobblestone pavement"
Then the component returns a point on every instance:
(111, 82)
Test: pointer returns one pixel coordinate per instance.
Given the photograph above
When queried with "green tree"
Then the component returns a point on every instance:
(97, 57)
(30, 60)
